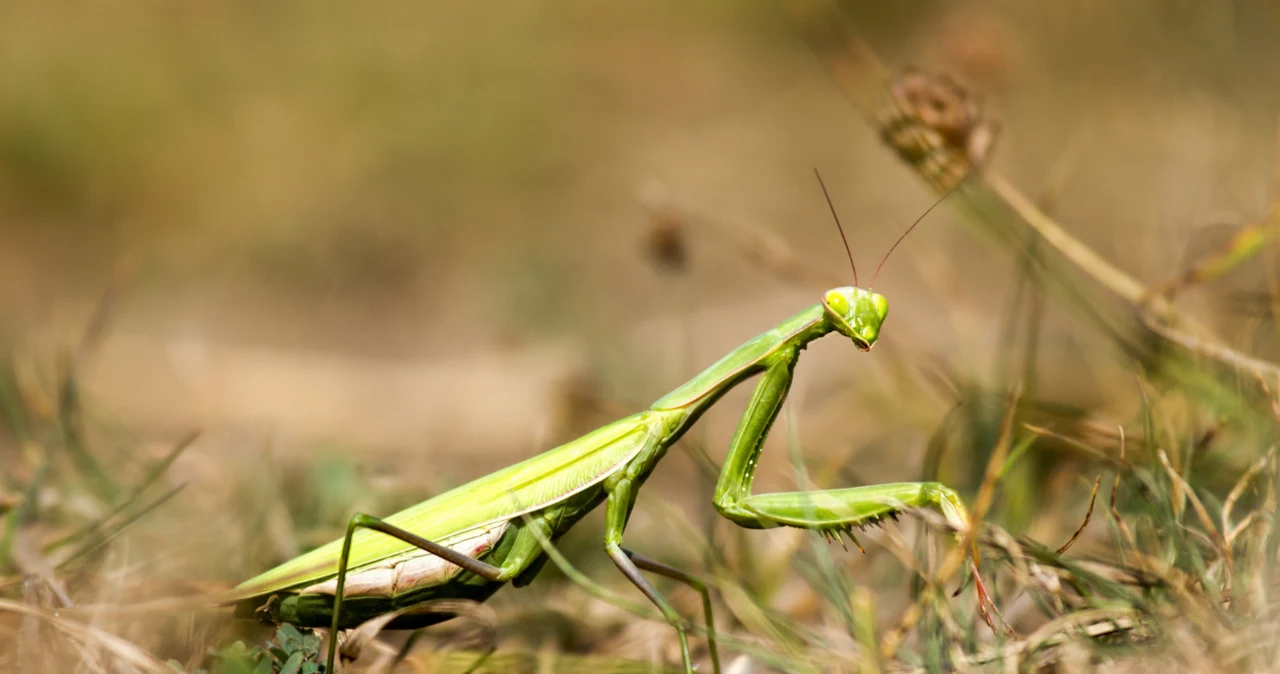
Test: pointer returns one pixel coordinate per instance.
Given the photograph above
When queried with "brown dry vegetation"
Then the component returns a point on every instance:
(372, 251)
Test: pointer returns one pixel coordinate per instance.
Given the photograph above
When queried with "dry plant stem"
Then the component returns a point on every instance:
(1004, 212)
(1093, 498)
(865, 621)
(87, 635)
(1119, 520)
(214, 602)
(1115, 491)
(1251, 240)
(901, 550)
(723, 579)
(998, 204)
(545, 661)
(1091, 624)
(1271, 396)
(1062, 170)
(1123, 285)
(1207, 522)
(956, 557)
(481, 614)
(33, 565)
(638, 609)
(1237, 491)
(1271, 252)
(1247, 242)
(759, 244)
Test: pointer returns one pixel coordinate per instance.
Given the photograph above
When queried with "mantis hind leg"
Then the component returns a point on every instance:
(654, 566)
(522, 554)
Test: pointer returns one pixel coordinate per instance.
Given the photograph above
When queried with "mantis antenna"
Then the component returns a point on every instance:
(838, 227)
(913, 226)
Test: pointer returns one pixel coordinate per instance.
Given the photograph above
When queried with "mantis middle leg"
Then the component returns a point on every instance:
(694, 582)
(617, 510)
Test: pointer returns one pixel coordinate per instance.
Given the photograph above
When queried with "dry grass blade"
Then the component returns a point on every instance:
(956, 557)
(203, 603)
(1096, 624)
(995, 465)
(863, 603)
(1093, 498)
(1084, 257)
(1237, 491)
(1155, 312)
(33, 565)
(98, 527)
(531, 662)
(758, 244)
(1086, 449)
(8, 502)
(1246, 243)
(1272, 398)
(481, 614)
(1115, 492)
(1210, 529)
(102, 538)
(123, 651)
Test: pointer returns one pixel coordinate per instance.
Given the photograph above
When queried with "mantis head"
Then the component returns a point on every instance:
(856, 314)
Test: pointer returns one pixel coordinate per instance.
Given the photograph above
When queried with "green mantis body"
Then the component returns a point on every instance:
(468, 542)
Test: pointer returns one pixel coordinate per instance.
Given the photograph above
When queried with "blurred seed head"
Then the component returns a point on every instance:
(981, 45)
(666, 244)
(937, 125)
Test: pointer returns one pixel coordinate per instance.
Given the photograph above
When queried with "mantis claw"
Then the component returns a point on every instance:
(849, 532)
(984, 597)
(266, 614)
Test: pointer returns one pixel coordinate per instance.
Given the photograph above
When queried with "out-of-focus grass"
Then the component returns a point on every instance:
(1175, 564)
(304, 149)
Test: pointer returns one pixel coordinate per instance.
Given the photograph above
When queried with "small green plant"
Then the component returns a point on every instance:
(293, 651)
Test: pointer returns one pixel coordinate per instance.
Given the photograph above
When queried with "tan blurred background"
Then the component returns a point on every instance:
(406, 229)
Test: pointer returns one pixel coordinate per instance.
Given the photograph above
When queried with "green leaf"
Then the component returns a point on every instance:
(264, 667)
(292, 665)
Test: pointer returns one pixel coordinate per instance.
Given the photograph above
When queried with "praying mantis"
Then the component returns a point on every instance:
(470, 541)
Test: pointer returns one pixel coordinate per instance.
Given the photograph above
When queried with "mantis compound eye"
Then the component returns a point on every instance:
(838, 303)
(881, 304)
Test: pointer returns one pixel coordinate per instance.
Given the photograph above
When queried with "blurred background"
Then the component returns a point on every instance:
(372, 251)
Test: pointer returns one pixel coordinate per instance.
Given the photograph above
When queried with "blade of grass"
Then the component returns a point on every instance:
(128, 499)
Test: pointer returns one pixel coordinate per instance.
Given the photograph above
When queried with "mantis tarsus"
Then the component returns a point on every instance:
(470, 541)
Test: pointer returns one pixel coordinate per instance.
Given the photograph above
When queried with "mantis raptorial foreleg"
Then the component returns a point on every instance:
(833, 510)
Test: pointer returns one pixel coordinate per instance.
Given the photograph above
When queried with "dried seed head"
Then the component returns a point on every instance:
(936, 125)
(666, 244)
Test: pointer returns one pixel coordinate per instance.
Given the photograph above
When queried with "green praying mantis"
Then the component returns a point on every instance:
(470, 541)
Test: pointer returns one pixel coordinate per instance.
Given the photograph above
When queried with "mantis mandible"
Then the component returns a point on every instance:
(470, 541)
